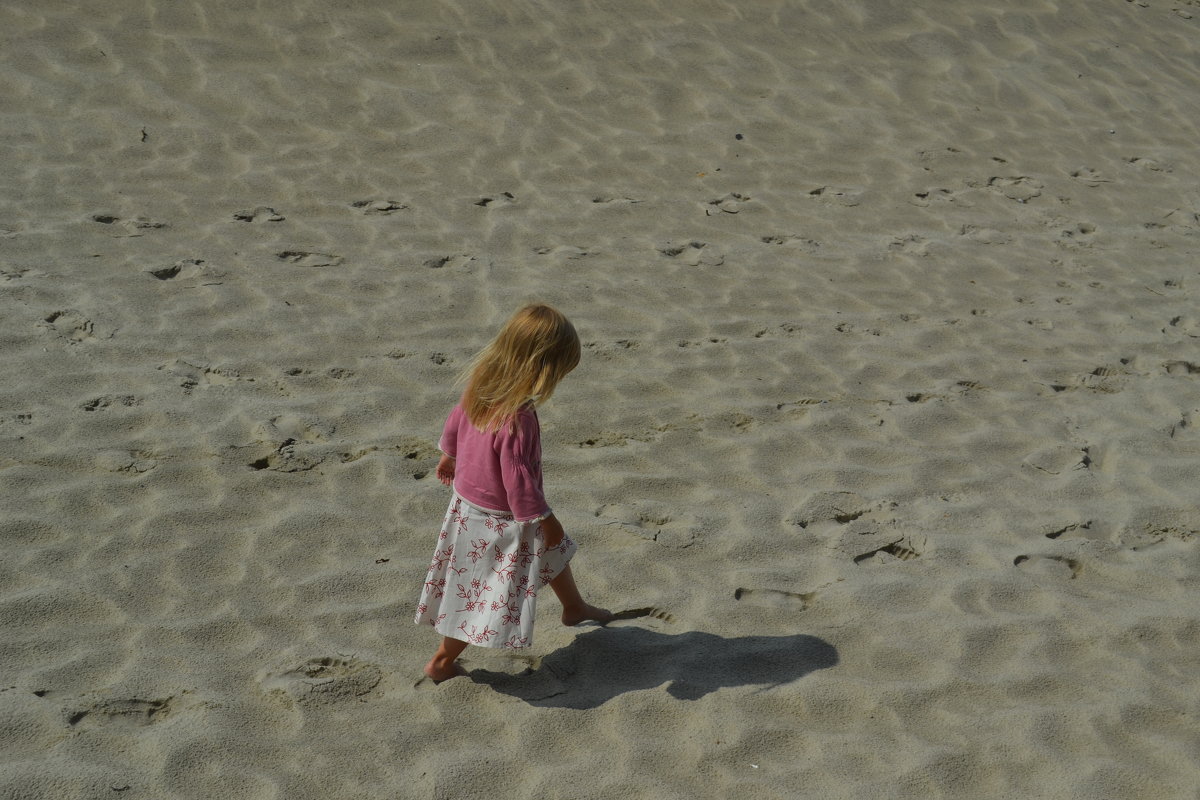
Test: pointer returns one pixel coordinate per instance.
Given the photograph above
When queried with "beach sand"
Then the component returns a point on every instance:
(889, 407)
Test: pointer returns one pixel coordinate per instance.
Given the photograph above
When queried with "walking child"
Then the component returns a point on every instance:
(500, 543)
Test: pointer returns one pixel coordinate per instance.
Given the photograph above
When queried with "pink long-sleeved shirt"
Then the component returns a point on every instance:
(500, 471)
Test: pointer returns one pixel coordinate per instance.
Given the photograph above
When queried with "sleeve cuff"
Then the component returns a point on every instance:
(547, 513)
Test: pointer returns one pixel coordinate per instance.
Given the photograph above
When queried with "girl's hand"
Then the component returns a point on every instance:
(445, 470)
(552, 532)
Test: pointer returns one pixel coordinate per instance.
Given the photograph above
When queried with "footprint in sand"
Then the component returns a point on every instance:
(1185, 426)
(927, 197)
(864, 532)
(1055, 530)
(1105, 379)
(259, 214)
(1077, 235)
(731, 203)
(783, 329)
(610, 350)
(984, 235)
(297, 427)
(131, 713)
(606, 199)
(1156, 525)
(1089, 177)
(378, 207)
(1181, 368)
(104, 401)
(1059, 460)
(1101, 380)
(129, 462)
(305, 258)
(1020, 188)
(909, 244)
(775, 598)
(838, 195)
(1150, 164)
(693, 254)
(323, 681)
(11, 273)
(905, 548)
(648, 612)
(131, 227)
(1056, 567)
(940, 153)
(69, 325)
(793, 240)
(849, 327)
(502, 199)
(568, 251)
(831, 507)
(448, 262)
(900, 551)
(297, 444)
(615, 439)
(650, 521)
(801, 405)
(188, 268)
(193, 375)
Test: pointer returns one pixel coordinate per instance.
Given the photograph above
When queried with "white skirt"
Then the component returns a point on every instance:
(485, 577)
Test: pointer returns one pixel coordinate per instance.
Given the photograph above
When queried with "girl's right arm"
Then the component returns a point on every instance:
(445, 470)
(448, 444)
(552, 532)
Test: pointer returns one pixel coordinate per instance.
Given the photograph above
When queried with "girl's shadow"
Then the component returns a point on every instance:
(603, 663)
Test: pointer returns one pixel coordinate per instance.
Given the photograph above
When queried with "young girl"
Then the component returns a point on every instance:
(500, 542)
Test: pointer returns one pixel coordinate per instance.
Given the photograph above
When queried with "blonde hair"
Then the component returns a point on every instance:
(534, 350)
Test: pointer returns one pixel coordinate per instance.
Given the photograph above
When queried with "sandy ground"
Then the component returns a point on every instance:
(888, 408)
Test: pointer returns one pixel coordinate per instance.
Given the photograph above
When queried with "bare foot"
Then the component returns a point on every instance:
(440, 671)
(587, 612)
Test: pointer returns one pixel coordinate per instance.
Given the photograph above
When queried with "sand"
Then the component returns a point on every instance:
(889, 407)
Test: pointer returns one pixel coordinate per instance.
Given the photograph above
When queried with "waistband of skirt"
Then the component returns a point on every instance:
(482, 510)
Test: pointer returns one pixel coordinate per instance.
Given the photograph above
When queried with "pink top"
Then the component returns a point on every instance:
(499, 471)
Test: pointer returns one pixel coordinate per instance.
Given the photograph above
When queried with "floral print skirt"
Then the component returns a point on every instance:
(485, 577)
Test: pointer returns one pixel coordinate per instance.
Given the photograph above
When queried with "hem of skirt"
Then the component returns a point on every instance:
(503, 645)
(572, 549)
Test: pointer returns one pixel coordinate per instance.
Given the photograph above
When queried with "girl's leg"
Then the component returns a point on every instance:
(575, 609)
(442, 667)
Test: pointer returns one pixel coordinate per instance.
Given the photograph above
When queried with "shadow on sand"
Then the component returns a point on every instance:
(606, 662)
